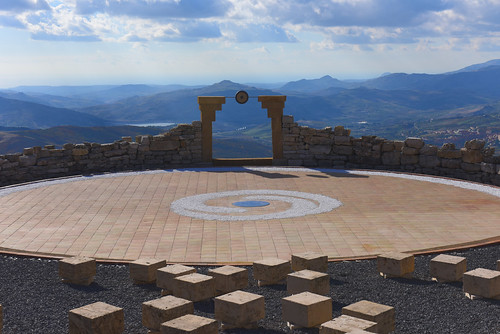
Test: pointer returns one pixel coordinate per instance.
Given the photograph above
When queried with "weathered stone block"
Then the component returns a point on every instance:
(308, 280)
(239, 309)
(79, 151)
(77, 270)
(414, 142)
(165, 276)
(448, 268)
(449, 153)
(346, 324)
(229, 278)
(311, 261)
(429, 150)
(482, 283)
(96, 318)
(306, 309)
(451, 163)
(164, 145)
(471, 156)
(475, 144)
(271, 271)
(428, 161)
(470, 167)
(383, 315)
(143, 271)
(391, 158)
(157, 311)
(320, 149)
(410, 150)
(343, 150)
(195, 287)
(342, 140)
(409, 159)
(396, 265)
(190, 324)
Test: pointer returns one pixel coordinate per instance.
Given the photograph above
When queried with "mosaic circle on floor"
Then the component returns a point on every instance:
(301, 204)
(188, 216)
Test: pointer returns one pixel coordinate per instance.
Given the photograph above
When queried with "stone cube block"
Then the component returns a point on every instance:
(482, 282)
(166, 275)
(308, 280)
(271, 271)
(143, 271)
(383, 315)
(77, 270)
(346, 324)
(239, 309)
(96, 318)
(229, 278)
(306, 309)
(157, 311)
(195, 287)
(311, 261)
(190, 324)
(448, 268)
(396, 265)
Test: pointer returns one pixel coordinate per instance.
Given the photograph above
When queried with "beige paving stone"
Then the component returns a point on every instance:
(239, 309)
(347, 324)
(190, 324)
(157, 311)
(447, 268)
(311, 261)
(270, 271)
(383, 315)
(195, 287)
(306, 309)
(77, 270)
(96, 318)
(143, 271)
(308, 280)
(396, 264)
(482, 282)
(229, 278)
(165, 276)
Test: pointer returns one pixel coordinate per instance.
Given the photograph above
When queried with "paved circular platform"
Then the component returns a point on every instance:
(188, 216)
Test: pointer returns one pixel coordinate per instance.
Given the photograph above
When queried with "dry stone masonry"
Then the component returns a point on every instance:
(327, 148)
(301, 145)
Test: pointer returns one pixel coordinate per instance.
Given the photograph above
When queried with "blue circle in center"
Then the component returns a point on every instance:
(251, 204)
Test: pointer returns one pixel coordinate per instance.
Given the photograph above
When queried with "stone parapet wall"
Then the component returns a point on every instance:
(335, 148)
(181, 146)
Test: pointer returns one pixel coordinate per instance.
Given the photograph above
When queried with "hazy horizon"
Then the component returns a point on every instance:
(57, 43)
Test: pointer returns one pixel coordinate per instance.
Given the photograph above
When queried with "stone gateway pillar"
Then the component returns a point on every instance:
(208, 106)
(275, 106)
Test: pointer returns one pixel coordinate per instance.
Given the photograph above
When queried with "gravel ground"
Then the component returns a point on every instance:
(35, 301)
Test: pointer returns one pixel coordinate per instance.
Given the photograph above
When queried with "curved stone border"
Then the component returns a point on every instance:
(487, 189)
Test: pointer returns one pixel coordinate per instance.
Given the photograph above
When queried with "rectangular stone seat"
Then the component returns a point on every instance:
(271, 271)
(347, 324)
(306, 309)
(157, 311)
(308, 280)
(190, 324)
(396, 265)
(383, 315)
(143, 271)
(166, 275)
(239, 309)
(311, 261)
(96, 318)
(447, 268)
(229, 278)
(77, 270)
(482, 282)
(195, 287)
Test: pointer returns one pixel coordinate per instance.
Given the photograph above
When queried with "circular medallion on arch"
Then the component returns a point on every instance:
(241, 97)
(277, 204)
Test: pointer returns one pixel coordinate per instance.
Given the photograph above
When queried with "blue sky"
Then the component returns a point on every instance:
(77, 42)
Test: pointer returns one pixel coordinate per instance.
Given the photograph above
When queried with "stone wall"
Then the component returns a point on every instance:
(335, 148)
(181, 146)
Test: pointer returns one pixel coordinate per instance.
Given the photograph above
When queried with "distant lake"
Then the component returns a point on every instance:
(153, 124)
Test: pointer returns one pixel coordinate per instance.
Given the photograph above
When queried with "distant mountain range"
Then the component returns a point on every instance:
(393, 105)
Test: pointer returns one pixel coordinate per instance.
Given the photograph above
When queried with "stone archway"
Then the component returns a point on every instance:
(210, 104)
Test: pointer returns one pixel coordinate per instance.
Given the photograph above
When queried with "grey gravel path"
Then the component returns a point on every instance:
(35, 301)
